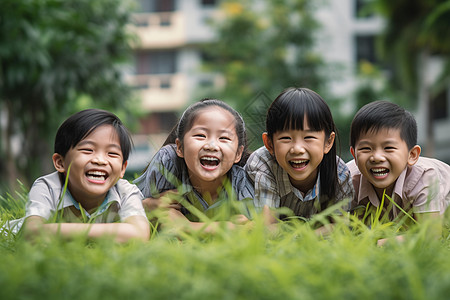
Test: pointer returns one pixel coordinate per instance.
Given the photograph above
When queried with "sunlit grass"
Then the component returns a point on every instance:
(290, 262)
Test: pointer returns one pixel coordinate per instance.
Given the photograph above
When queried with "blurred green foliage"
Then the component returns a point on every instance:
(52, 53)
(414, 28)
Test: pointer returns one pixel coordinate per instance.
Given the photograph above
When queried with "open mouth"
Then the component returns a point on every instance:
(209, 161)
(299, 164)
(96, 175)
(379, 172)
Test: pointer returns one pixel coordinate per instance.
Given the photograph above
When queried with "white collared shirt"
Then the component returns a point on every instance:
(123, 200)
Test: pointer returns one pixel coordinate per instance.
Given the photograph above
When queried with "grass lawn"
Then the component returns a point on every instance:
(291, 262)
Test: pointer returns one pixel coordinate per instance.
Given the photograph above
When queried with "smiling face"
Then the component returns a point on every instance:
(210, 148)
(382, 156)
(96, 163)
(299, 153)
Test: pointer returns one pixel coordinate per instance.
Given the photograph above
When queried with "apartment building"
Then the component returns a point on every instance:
(167, 67)
(167, 63)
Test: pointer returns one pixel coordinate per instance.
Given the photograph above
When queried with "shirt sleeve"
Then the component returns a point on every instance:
(346, 190)
(42, 199)
(258, 168)
(243, 186)
(425, 195)
(131, 200)
(160, 175)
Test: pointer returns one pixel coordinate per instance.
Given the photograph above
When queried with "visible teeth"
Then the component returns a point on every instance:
(299, 161)
(210, 158)
(380, 171)
(97, 173)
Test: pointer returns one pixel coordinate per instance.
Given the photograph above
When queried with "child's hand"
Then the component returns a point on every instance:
(239, 219)
(268, 216)
(398, 238)
(164, 201)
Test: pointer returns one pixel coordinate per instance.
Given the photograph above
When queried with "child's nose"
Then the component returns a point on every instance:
(99, 159)
(297, 148)
(377, 156)
(211, 146)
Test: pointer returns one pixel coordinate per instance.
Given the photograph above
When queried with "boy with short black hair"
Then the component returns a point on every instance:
(91, 149)
(383, 140)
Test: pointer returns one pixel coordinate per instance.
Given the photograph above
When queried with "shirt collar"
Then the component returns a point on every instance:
(288, 188)
(111, 196)
(366, 189)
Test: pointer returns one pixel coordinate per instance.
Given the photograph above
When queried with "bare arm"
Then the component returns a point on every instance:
(177, 221)
(134, 227)
(434, 231)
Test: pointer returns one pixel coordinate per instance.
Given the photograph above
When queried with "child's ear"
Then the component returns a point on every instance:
(413, 155)
(239, 153)
(179, 148)
(329, 143)
(267, 142)
(124, 168)
(58, 162)
(352, 151)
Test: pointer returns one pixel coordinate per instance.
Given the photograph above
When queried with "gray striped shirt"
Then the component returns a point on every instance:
(274, 189)
(167, 171)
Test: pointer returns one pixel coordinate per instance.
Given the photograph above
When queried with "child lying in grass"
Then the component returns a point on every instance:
(199, 160)
(383, 141)
(91, 152)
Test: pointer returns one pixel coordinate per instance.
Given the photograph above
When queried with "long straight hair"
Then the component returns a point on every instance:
(288, 111)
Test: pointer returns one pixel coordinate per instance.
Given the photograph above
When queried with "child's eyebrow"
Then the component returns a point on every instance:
(207, 129)
(364, 142)
(88, 142)
(306, 129)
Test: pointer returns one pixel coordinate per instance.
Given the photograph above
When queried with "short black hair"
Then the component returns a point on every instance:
(384, 115)
(81, 124)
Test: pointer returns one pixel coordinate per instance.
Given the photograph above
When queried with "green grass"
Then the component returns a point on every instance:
(289, 263)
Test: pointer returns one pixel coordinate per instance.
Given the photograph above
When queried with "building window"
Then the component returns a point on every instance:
(208, 2)
(149, 6)
(156, 62)
(158, 122)
(165, 83)
(439, 106)
(365, 48)
(165, 5)
(165, 20)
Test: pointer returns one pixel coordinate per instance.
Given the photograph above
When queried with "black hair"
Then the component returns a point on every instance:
(288, 111)
(384, 115)
(187, 120)
(81, 124)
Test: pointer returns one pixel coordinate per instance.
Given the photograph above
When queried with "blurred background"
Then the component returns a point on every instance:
(148, 60)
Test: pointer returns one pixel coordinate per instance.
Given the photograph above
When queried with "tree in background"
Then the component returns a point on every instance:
(263, 47)
(52, 52)
(416, 31)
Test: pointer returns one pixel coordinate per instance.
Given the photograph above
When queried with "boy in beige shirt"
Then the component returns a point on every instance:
(383, 140)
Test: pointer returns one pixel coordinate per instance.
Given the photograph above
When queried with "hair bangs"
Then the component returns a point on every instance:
(296, 106)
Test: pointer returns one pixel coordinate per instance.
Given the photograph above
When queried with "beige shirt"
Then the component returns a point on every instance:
(421, 188)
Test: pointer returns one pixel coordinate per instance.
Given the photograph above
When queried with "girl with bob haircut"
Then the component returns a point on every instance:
(298, 167)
